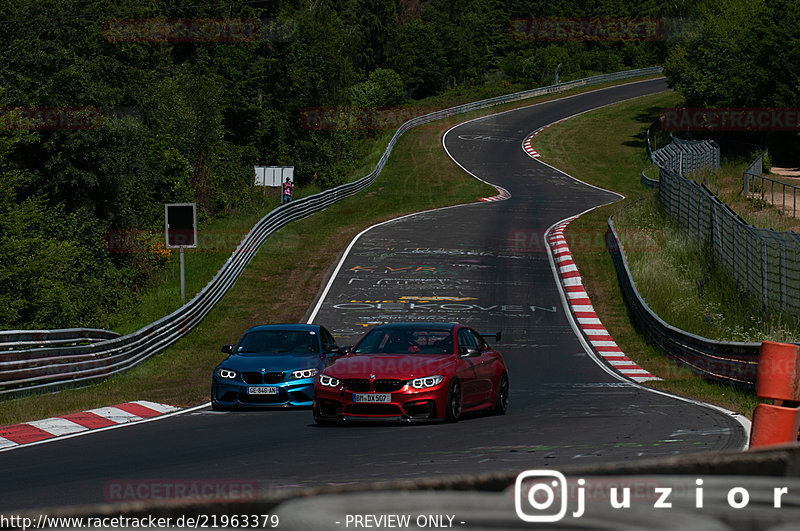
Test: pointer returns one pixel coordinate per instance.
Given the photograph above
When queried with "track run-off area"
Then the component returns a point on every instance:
(484, 264)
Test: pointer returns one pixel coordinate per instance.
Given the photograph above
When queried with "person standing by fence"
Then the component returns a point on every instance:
(288, 188)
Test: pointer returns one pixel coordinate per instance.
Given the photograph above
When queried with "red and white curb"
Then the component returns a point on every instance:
(502, 196)
(527, 144)
(40, 430)
(596, 334)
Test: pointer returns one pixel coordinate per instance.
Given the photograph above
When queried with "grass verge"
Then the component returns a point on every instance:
(607, 148)
(686, 286)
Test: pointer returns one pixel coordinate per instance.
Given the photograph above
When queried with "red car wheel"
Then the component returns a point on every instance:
(501, 403)
(454, 401)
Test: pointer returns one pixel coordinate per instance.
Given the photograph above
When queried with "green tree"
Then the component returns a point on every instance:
(383, 88)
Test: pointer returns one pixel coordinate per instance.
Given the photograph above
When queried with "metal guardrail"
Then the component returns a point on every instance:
(25, 339)
(42, 369)
(730, 362)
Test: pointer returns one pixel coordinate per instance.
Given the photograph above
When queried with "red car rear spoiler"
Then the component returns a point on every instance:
(496, 336)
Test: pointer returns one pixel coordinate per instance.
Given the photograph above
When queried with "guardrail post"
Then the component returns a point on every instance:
(778, 380)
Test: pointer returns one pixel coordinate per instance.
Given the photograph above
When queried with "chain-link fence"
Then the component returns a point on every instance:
(762, 262)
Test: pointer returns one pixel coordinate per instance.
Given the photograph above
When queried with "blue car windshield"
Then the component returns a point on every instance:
(278, 342)
(406, 341)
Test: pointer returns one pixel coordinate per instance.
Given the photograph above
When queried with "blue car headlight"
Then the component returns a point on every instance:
(426, 382)
(226, 373)
(304, 373)
(328, 381)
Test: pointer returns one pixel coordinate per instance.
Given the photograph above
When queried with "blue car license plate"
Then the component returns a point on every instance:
(262, 390)
(381, 398)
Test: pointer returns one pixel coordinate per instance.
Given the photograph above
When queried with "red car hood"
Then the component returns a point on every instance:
(400, 366)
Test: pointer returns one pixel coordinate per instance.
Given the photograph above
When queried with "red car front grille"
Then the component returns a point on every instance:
(387, 386)
(383, 385)
(357, 385)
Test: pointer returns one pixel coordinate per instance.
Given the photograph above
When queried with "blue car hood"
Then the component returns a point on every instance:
(273, 362)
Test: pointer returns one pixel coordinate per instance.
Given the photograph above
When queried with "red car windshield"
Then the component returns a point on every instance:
(406, 341)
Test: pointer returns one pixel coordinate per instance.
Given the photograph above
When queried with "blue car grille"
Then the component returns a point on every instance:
(257, 378)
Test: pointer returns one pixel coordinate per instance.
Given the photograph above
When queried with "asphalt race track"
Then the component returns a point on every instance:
(483, 264)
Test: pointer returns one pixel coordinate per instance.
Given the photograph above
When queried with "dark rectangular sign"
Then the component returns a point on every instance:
(181, 224)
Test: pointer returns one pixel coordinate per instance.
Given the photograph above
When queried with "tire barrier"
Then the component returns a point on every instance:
(47, 369)
(778, 380)
(730, 362)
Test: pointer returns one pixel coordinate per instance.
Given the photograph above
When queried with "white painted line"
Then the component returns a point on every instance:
(57, 426)
(5, 443)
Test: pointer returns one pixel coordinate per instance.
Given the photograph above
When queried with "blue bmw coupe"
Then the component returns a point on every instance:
(273, 365)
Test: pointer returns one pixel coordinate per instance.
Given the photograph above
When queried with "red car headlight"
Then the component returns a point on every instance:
(426, 382)
(328, 381)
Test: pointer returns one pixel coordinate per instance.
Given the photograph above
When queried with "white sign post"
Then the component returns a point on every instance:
(273, 176)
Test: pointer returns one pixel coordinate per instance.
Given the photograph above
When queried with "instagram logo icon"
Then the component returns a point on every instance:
(537, 495)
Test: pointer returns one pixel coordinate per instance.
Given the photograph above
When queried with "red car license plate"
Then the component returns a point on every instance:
(377, 397)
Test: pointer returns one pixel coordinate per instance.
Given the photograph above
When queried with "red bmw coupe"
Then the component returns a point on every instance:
(413, 372)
